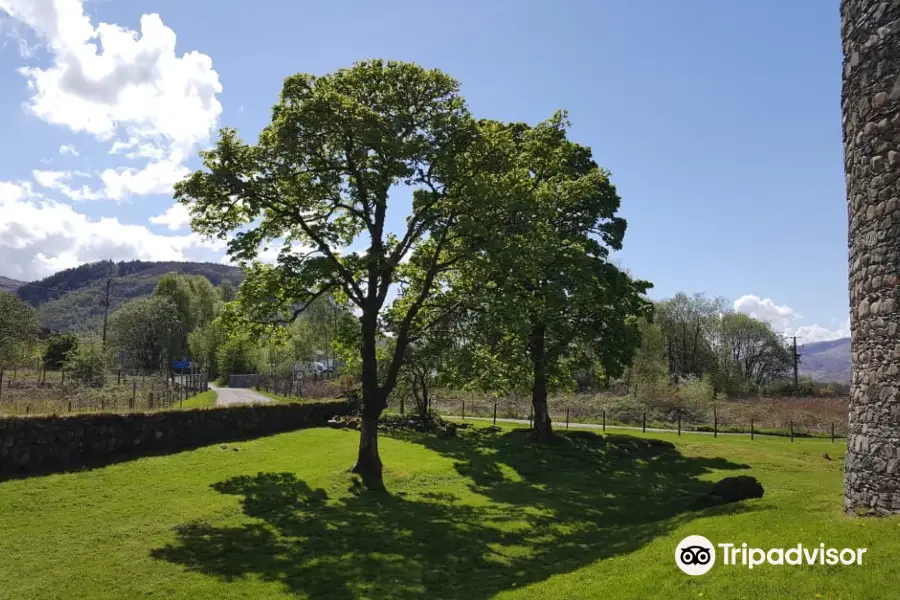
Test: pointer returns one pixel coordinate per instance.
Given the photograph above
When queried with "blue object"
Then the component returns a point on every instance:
(181, 364)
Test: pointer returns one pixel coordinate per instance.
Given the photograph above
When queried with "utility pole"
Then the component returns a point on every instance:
(796, 360)
(105, 304)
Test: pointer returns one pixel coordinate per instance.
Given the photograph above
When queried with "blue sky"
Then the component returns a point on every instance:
(720, 122)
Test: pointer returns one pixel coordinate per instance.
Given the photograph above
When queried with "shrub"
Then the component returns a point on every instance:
(87, 365)
(695, 391)
(59, 345)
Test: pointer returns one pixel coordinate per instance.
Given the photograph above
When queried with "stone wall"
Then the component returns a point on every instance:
(33, 445)
(871, 121)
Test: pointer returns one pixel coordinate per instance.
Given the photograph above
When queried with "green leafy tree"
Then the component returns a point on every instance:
(227, 291)
(648, 375)
(203, 346)
(206, 300)
(236, 356)
(750, 354)
(19, 326)
(87, 364)
(689, 324)
(58, 347)
(543, 284)
(146, 330)
(320, 178)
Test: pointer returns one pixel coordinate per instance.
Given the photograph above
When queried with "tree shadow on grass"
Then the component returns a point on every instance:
(538, 511)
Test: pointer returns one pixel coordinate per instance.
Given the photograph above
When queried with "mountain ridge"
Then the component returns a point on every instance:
(827, 361)
(71, 300)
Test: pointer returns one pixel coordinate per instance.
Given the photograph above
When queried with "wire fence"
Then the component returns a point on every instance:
(305, 385)
(788, 416)
(39, 392)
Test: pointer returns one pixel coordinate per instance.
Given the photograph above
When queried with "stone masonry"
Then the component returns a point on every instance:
(870, 103)
(32, 445)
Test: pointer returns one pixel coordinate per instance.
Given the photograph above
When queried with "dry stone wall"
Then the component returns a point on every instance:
(33, 445)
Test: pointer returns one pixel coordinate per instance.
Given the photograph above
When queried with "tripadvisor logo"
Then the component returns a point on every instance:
(696, 555)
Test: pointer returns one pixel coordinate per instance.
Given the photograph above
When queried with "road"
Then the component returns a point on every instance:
(234, 396)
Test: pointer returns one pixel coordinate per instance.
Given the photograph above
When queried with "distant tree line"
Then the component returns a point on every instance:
(699, 338)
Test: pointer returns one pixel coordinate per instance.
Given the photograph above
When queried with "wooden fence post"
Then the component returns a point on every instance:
(715, 423)
(464, 410)
(567, 418)
(604, 419)
(644, 423)
(133, 394)
(751, 429)
(792, 430)
(679, 422)
(832, 432)
(495, 412)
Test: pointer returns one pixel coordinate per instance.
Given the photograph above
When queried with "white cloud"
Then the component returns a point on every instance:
(784, 319)
(176, 217)
(39, 236)
(155, 178)
(779, 316)
(125, 87)
(69, 149)
(58, 180)
(808, 334)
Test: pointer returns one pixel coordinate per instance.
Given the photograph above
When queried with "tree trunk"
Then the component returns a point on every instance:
(871, 120)
(368, 462)
(543, 430)
(542, 427)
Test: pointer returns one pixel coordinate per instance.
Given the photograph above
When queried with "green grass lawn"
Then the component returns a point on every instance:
(482, 516)
(201, 400)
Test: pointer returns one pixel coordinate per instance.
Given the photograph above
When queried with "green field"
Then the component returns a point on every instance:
(486, 515)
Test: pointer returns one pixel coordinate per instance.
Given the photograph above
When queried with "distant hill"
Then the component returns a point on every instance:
(826, 361)
(71, 300)
(9, 285)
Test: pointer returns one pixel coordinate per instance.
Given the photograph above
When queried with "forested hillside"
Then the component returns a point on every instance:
(9, 285)
(72, 300)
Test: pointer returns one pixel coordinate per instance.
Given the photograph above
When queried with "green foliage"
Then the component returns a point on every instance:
(689, 324)
(236, 356)
(227, 291)
(88, 364)
(57, 349)
(146, 330)
(321, 176)
(540, 290)
(648, 375)
(749, 354)
(18, 328)
(696, 391)
(203, 346)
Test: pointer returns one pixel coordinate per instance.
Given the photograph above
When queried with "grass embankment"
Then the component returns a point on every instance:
(480, 516)
(202, 400)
